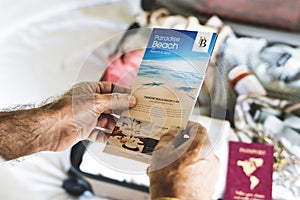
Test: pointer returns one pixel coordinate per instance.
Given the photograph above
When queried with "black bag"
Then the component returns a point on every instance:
(80, 182)
(270, 13)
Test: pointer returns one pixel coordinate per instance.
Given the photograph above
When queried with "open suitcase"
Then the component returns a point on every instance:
(103, 186)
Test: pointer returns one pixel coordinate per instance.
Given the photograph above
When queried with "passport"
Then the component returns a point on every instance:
(249, 172)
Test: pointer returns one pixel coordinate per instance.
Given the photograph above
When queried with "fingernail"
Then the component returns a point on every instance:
(132, 101)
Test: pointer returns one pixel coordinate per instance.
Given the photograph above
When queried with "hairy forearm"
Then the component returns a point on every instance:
(25, 132)
(58, 125)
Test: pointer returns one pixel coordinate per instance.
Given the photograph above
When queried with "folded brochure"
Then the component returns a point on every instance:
(167, 85)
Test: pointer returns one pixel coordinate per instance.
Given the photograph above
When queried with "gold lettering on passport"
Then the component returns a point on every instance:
(252, 151)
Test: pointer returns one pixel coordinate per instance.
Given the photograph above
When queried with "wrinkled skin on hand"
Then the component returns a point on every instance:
(188, 171)
(85, 106)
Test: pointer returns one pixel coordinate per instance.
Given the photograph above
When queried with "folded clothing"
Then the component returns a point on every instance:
(276, 65)
(122, 68)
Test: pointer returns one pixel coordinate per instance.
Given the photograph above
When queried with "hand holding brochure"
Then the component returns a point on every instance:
(166, 87)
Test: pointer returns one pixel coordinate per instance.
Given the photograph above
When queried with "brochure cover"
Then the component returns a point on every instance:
(166, 87)
(250, 170)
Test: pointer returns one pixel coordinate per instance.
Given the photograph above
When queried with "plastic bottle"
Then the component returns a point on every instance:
(245, 83)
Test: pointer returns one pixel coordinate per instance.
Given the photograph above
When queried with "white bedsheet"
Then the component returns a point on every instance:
(41, 59)
(42, 44)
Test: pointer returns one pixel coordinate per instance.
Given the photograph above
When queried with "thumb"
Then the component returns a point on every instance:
(114, 101)
(167, 138)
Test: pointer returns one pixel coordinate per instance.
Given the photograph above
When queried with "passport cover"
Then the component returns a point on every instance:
(249, 172)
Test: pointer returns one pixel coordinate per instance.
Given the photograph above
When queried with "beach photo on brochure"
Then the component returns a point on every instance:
(166, 87)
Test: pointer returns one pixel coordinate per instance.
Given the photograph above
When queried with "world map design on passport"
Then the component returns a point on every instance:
(249, 166)
(249, 171)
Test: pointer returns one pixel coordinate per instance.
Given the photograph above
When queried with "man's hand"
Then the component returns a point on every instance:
(188, 171)
(58, 125)
(86, 106)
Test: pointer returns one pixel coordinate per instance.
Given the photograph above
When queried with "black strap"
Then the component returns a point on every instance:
(77, 152)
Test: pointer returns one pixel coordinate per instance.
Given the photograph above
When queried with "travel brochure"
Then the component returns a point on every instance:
(167, 85)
